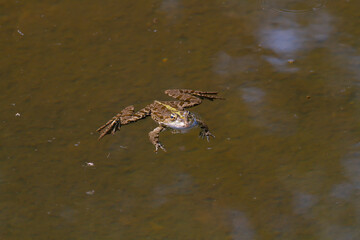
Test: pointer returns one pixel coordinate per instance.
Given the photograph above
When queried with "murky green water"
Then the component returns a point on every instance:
(285, 163)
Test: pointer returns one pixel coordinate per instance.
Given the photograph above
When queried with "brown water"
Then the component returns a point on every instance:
(285, 163)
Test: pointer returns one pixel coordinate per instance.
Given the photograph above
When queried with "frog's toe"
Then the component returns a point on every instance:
(116, 126)
(159, 145)
(110, 127)
(206, 134)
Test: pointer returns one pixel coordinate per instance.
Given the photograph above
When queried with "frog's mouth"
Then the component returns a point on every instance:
(182, 125)
(183, 121)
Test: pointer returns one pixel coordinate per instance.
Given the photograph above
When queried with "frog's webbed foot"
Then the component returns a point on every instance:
(204, 130)
(206, 133)
(206, 95)
(115, 123)
(110, 127)
(154, 138)
(190, 98)
(159, 145)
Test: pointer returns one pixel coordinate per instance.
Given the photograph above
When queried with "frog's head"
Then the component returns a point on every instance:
(177, 119)
(180, 120)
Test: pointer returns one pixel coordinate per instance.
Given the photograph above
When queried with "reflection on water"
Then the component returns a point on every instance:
(303, 203)
(264, 115)
(227, 65)
(172, 8)
(293, 6)
(241, 227)
(285, 160)
(290, 38)
(343, 190)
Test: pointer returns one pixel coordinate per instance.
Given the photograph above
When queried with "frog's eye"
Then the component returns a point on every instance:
(172, 116)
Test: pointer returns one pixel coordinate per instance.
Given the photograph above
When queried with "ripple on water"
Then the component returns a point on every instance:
(293, 6)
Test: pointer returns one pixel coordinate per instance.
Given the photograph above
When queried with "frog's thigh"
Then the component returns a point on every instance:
(184, 95)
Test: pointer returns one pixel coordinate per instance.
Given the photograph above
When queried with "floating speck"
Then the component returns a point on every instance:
(91, 192)
(17, 115)
(22, 34)
(90, 164)
(291, 61)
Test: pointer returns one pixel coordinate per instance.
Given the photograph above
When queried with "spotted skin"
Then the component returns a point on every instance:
(168, 114)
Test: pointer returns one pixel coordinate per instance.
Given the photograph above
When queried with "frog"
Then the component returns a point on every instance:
(171, 115)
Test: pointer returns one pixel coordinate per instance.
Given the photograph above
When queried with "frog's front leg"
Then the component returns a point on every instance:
(204, 130)
(154, 138)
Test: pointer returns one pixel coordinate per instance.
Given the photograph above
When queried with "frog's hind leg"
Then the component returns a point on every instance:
(126, 116)
(114, 124)
(130, 117)
(154, 138)
(190, 98)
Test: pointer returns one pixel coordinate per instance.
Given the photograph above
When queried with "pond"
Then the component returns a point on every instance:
(285, 163)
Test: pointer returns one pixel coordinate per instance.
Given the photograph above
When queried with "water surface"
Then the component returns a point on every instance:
(285, 163)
